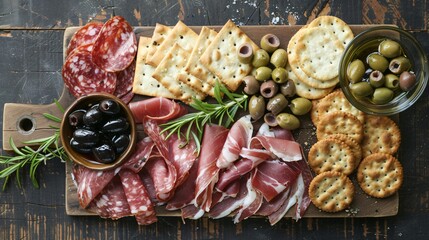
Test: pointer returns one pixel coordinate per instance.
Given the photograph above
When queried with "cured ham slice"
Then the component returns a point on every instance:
(268, 208)
(285, 150)
(163, 175)
(137, 197)
(251, 203)
(273, 177)
(211, 146)
(275, 132)
(239, 136)
(158, 109)
(191, 212)
(252, 158)
(142, 153)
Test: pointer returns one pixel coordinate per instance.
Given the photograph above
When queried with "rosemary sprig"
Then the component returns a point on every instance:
(48, 149)
(223, 111)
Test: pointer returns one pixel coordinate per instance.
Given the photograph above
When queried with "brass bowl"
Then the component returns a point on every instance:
(412, 49)
(66, 132)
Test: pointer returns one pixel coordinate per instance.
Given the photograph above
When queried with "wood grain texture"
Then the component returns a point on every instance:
(31, 35)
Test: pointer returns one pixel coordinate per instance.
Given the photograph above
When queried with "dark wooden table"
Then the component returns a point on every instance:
(31, 37)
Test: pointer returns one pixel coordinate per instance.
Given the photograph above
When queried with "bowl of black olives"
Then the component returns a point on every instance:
(98, 131)
(383, 70)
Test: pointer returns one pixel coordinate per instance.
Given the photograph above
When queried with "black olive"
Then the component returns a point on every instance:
(86, 137)
(76, 117)
(116, 125)
(104, 153)
(82, 148)
(121, 142)
(93, 117)
(109, 107)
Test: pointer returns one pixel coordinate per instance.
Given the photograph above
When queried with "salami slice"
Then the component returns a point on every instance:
(81, 76)
(124, 82)
(116, 45)
(85, 35)
(137, 197)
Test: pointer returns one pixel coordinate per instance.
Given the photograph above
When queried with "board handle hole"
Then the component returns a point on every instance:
(26, 125)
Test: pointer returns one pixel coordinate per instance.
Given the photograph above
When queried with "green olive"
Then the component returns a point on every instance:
(270, 42)
(300, 106)
(355, 71)
(392, 81)
(377, 62)
(288, 88)
(288, 121)
(263, 73)
(279, 58)
(251, 85)
(245, 53)
(399, 65)
(376, 79)
(361, 89)
(407, 80)
(382, 95)
(277, 103)
(256, 107)
(279, 75)
(260, 58)
(390, 48)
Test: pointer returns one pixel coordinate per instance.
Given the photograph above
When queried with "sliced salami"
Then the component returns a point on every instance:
(116, 45)
(85, 35)
(124, 81)
(137, 197)
(81, 76)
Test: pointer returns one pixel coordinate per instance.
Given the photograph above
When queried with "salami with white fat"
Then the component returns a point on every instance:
(81, 76)
(116, 45)
(85, 35)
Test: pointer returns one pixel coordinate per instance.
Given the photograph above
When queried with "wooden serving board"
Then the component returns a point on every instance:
(14, 126)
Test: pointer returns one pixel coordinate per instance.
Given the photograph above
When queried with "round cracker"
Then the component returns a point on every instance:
(304, 90)
(318, 52)
(340, 122)
(331, 191)
(302, 76)
(380, 134)
(380, 175)
(331, 155)
(354, 146)
(336, 26)
(336, 101)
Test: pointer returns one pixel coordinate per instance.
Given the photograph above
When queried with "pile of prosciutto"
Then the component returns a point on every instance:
(236, 174)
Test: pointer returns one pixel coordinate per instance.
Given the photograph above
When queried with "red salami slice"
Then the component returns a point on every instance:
(85, 35)
(116, 45)
(137, 197)
(124, 82)
(81, 76)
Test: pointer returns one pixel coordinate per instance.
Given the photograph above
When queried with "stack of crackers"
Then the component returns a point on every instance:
(350, 140)
(314, 53)
(178, 63)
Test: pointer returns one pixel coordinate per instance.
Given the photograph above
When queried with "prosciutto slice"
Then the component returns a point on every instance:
(273, 177)
(239, 136)
(211, 146)
(285, 150)
(157, 109)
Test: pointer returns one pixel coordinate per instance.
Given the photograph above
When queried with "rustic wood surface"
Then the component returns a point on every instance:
(31, 35)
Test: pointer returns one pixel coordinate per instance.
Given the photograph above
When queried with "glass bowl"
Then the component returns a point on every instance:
(411, 48)
(66, 132)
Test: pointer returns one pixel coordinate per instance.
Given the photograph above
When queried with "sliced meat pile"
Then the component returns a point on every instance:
(101, 58)
(237, 174)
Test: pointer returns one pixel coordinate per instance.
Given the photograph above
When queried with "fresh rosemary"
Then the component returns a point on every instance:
(222, 111)
(49, 148)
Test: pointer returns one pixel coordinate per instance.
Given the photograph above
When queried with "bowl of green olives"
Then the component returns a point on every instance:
(98, 131)
(383, 70)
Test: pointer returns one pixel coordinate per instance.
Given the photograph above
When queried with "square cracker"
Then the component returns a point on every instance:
(144, 83)
(194, 66)
(221, 56)
(168, 71)
(159, 34)
(180, 34)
